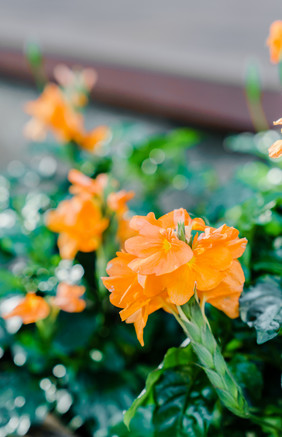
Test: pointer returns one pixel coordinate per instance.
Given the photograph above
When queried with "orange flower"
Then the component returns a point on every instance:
(51, 111)
(31, 309)
(275, 151)
(117, 202)
(226, 295)
(157, 248)
(158, 272)
(80, 224)
(68, 298)
(93, 139)
(213, 254)
(127, 292)
(274, 41)
(82, 184)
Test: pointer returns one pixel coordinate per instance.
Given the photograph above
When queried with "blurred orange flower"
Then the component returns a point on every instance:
(80, 223)
(31, 309)
(82, 184)
(275, 151)
(274, 41)
(161, 270)
(52, 111)
(68, 298)
(117, 202)
(93, 139)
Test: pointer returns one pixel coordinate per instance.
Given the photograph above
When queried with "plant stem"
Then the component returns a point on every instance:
(196, 327)
(193, 321)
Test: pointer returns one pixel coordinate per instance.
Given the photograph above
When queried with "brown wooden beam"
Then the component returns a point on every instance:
(187, 100)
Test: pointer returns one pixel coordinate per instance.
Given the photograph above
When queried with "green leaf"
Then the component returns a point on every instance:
(181, 406)
(174, 357)
(33, 54)
(9, 284)
(253, 83)
(261, 308)
(141, 425)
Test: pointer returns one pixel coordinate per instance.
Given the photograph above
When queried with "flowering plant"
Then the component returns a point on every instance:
(215, 272)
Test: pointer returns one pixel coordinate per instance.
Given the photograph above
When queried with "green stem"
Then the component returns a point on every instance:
(192, 319)
(206, 348)
(101, 264)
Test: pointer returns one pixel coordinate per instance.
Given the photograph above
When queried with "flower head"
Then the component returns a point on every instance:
(31, 309)
(274, 41)
(93, 139)
(83, 185)
(117, 202)
(157, 249)
(68, 298)
(225, 296)
(80, 223)
(51, 111)
(166, 262)
(127, 292)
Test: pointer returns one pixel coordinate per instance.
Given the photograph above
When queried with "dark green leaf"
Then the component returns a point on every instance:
(181, 406)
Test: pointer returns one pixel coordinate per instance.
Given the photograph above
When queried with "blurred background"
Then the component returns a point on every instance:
(181, 62)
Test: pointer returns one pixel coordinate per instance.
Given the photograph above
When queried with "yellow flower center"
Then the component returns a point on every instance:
(191, 262)
(166, 245)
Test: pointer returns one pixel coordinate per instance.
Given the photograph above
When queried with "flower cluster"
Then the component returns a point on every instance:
(170, 258)
(56, 110)
(33, 308)
(80, 223)
(80, 220)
